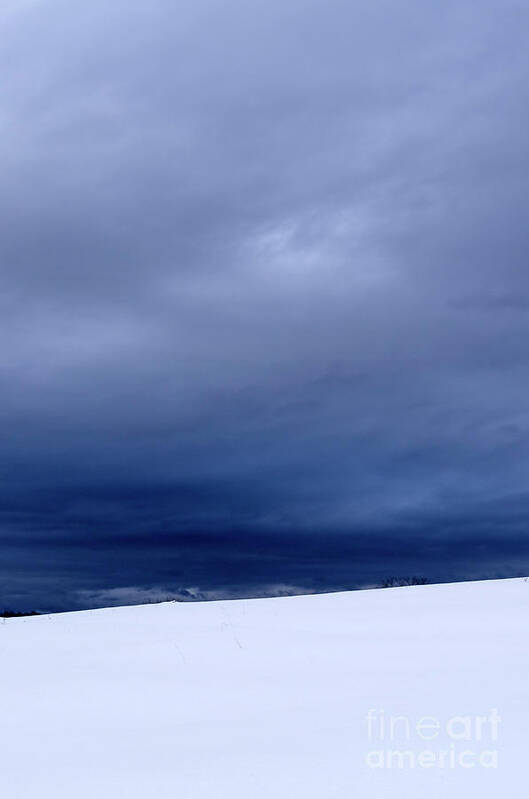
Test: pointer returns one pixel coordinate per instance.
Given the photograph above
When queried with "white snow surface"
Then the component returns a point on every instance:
(268, 697)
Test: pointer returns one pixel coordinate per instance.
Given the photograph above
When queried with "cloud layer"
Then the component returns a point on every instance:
(263, 278)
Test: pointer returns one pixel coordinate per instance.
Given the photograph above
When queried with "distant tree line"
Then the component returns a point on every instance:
(395, 582)
(13, 614)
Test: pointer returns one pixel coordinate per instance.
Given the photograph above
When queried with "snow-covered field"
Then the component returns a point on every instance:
(272, 697)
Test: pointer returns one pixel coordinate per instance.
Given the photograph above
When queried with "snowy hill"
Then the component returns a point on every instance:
(293, 697)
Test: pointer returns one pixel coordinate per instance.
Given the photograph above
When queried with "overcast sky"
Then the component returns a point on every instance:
(264, 296)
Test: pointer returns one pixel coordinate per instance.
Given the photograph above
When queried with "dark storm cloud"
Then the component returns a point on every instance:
(264, 274)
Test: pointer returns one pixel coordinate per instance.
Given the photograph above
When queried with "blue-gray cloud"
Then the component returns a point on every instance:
(263, 272)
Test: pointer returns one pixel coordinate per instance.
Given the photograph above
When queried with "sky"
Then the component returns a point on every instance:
(264, 296)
